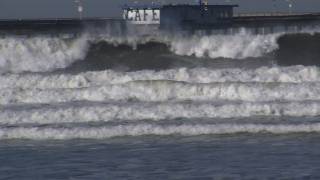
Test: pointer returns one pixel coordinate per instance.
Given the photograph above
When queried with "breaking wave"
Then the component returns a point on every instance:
(45, 54)
(160, 91)
(156, 85)
(39, 54)
(67, 106)
(238, 46)
(292, 74)
(84, 112)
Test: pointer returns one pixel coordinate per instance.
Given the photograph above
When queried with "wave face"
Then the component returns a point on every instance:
(132, 52)
(95, 87)
(45, 54)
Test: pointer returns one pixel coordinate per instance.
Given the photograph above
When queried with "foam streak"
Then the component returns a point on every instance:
(39, 133)
(82, 112)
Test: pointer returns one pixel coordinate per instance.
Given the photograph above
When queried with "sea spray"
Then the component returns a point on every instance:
(40, 54)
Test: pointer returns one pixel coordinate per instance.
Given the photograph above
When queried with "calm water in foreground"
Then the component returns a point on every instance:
(241, 156)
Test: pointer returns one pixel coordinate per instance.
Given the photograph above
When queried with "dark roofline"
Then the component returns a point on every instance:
(142, 6)
(158, 6)
(195, 5)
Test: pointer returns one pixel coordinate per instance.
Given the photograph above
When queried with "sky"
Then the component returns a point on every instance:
(29, 9)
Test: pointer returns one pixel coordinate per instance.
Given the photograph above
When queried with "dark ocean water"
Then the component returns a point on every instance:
(239, 106)
(240, 156)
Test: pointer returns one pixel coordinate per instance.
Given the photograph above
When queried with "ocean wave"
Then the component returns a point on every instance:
(39, 54)
(159, 95)
(44, 133)
(162, 91)
(293, 74)
(84, 112)
(45, 54)
(239, 46)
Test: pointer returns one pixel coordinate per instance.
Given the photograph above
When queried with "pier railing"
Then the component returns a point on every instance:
(261, 14)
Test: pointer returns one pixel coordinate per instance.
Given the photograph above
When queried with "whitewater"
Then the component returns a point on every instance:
(45, 54)
(43, 98)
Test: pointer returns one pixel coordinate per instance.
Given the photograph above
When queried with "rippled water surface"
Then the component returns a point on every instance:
(241, 156)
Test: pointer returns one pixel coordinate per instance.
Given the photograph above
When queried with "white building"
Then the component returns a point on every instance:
(144, 15)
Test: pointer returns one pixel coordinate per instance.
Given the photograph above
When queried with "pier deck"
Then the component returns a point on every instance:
(22, 26)
(75, 26)
(269, 22)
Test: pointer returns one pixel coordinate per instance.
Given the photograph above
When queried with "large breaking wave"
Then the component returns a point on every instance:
(39, 54)
(46, 54)
(156, 85)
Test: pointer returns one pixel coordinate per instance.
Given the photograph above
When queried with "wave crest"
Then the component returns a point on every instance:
(43, 54)
(238, 46)
(40, 54)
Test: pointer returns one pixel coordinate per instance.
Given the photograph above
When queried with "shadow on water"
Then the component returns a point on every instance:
(152, 56)
(299, 49)
(294, 49)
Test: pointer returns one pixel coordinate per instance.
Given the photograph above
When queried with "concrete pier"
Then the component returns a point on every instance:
(254, 23)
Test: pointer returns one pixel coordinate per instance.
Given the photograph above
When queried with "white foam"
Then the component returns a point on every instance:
(293, 74)
(241, 45)
(237, 46)
(155, 91)
(105, 112)
(43, 133)
(39, 54)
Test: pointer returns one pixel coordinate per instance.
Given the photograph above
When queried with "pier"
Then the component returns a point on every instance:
(64, 25)
(203, 17)
(263, 23)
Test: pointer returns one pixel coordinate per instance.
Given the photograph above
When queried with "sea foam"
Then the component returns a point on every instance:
(292, 74)
(84, 112)
(44, 133)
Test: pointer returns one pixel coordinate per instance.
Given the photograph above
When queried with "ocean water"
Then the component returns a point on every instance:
(240, 106)
(240, 156)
